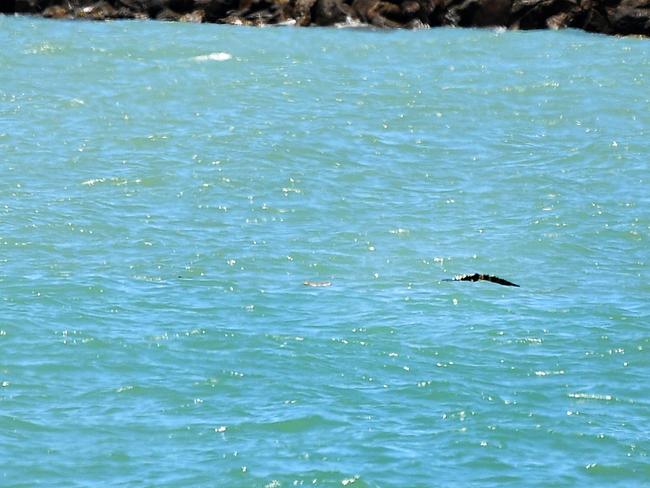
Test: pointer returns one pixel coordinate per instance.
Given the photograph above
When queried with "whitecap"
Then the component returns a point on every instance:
(589, 396)
(222, 56)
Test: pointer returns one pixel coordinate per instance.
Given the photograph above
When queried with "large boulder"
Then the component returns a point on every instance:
(168, 15)
(196, 16)
(260, 12)
(8, 7)
(101, 10)
(631, 17)
(480, 13)
(216, 10)
(380, 13)
(302, 11)
(330, 12)
(182, 6)
(589, 15)
(57, 12)
(535, 14)
(137, 8)
(30, 6)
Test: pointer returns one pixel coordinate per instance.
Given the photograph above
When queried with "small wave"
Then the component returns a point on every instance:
(213, 57)
(113, 180)
(589, 396)
(549, 373)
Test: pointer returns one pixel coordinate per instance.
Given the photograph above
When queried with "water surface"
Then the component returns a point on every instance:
(166, 189)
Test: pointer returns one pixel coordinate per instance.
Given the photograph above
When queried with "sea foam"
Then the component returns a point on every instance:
(213, 57)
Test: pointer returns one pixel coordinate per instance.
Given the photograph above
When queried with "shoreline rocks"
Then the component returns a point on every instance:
(614, 17)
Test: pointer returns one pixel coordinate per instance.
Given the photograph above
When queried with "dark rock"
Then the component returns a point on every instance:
(8, 7)
(135, 5)
(57, 12)
(594, 20)
(196, 16)
(30, 6)
(414, 13)
(379, 13)
(302, 11)
(589, 15)
(168, 15)
(480, 13)
(437, 12)
(431, 11)
(410, 8)
(260, 12)
(125, 13)
(330, 12)
(416, 24)
(156, 8)
(137, 8)
(559, 21)
(182, 6)
(626, 17)
(216, 10)
(101, 10)
(631, 17)
(534, 14)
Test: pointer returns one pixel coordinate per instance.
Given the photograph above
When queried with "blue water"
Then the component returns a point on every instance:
(166, 190)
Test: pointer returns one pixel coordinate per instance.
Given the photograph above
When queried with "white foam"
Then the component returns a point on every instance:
(213, 57)
(351, 23)
(288, 22)
(589, 396)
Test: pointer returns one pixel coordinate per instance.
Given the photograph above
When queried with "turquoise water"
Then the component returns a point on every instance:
(166, 189)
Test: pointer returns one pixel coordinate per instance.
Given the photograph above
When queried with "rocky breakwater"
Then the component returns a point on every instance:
(619, 17)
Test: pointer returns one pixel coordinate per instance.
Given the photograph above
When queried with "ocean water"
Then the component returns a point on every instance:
(166, 190)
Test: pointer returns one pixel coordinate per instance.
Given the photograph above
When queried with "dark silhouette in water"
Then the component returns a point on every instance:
(482, 277)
